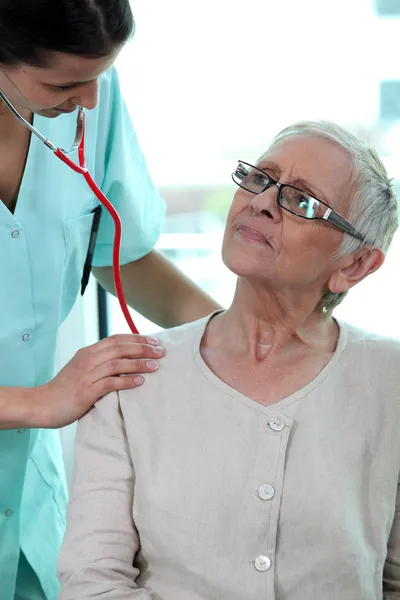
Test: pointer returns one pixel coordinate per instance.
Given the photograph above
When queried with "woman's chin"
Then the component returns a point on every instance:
(247, 267)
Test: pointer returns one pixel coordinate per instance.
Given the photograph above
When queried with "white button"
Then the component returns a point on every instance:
(276, 423)
(21, 430)
(26, 337)
(266, 492)
(262, 563)
(15, 233)
(9, 512)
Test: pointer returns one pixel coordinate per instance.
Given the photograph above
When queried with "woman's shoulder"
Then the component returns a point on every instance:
(183, 335)
(370, 345)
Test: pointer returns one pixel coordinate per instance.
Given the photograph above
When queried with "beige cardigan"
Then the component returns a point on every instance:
(185, 489)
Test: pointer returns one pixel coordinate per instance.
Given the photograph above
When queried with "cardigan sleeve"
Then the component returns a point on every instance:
(96, 559)
(391, 572)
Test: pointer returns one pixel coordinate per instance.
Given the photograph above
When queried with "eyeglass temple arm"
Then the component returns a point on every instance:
(334, 218)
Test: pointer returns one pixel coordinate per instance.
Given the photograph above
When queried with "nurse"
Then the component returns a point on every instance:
(54, 56)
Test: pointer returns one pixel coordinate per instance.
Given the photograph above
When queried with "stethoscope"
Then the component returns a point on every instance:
(79, 145)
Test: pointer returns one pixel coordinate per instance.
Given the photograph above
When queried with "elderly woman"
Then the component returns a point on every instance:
(262, 460)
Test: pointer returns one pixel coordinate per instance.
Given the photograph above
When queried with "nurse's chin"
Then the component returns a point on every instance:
(52, 113)
(49, 113)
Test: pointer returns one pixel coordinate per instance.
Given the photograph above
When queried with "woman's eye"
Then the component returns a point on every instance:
(258, 178)
(303, 202)
(308, 206)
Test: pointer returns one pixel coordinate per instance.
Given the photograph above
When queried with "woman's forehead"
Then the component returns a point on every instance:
(315, 159)
(306, 147)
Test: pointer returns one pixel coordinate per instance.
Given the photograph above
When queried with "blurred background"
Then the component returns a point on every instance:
(212, 82)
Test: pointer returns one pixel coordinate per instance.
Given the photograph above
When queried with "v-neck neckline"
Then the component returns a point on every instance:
(17, 213)
(19, 206)
(284, 402)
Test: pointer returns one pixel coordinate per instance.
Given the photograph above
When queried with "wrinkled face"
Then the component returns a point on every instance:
(67, 81)
(265, 242)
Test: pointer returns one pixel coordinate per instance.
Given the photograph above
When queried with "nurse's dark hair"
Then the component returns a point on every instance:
(30, 30)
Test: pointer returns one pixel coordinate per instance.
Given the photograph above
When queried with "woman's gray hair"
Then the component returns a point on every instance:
(373, 206)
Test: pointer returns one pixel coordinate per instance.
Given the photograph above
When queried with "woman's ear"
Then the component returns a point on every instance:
(357, 267)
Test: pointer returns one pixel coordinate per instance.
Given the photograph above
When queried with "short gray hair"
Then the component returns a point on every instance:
(373, 207)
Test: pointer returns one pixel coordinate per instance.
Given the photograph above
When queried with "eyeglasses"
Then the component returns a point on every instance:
(296, 201)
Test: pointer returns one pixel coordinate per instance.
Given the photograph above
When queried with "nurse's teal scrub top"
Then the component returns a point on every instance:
(43, 251)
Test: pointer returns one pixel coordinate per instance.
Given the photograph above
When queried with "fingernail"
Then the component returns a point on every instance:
(152, 340)
(158, 351)
(152, 364)
(138, 380)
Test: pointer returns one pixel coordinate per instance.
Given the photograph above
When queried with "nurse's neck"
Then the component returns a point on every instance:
(3, 108)
(9, 124)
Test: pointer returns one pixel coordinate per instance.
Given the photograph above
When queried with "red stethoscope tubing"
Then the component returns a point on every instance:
(82, 169)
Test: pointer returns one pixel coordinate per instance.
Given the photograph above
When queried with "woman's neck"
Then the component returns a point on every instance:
(263, 323)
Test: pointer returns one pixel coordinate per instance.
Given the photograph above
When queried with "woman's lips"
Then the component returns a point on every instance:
(253, 235)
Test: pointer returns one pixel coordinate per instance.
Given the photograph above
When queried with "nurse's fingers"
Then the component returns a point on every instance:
(116, 384)
(89, 360)
(123, 338)
(116, 347)
(124, 367)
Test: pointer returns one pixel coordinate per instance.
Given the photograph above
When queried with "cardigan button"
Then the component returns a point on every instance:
(262, 563)
(266, 492)
(276, 423)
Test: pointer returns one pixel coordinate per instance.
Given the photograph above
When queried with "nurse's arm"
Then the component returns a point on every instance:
(91, 374)
(159, 291)
(101, 540)
(17, 407)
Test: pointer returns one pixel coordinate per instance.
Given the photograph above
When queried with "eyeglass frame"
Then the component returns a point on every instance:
(330, 215)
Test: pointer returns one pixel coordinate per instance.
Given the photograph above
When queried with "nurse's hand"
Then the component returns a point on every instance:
(94, 372)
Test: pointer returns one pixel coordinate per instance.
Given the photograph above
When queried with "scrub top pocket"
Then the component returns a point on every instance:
(76, 237)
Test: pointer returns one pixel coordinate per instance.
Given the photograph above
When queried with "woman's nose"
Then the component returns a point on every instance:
(266, 203)
(88, 95)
